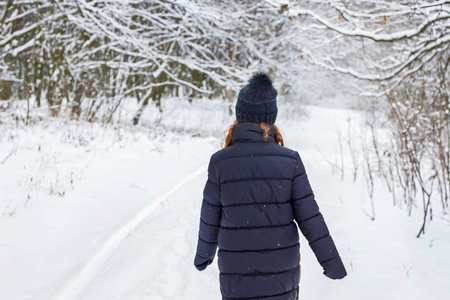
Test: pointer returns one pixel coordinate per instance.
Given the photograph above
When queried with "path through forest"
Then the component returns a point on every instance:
(147, 251)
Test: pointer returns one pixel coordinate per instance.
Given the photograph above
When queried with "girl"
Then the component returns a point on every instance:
(255, 190)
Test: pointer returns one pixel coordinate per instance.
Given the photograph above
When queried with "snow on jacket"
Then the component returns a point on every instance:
(254, 192)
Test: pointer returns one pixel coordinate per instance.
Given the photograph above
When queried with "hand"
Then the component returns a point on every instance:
(334, 275)
(203, 265)
(335, 269)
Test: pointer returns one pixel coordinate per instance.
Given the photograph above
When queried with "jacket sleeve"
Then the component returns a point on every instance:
(312, 224)
(210, 215)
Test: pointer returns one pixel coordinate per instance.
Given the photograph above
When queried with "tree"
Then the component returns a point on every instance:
(401, 50)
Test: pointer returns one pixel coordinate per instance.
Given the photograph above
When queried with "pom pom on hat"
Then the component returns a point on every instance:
(260, 79)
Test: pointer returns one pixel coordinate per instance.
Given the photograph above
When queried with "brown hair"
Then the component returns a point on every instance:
(228, 134)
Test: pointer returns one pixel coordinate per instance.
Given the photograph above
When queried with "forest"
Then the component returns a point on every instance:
(119, 72)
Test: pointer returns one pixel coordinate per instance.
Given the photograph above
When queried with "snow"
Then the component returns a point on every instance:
(88, 212)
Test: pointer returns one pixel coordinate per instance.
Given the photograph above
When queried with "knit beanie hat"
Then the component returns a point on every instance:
(257, 101)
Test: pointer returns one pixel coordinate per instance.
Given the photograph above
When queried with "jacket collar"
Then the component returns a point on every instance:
(251, 132)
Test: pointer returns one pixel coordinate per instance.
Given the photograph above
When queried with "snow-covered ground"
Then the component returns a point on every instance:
(88, 212)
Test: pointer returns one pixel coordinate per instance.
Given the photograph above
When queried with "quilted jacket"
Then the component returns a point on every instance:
(256, 195)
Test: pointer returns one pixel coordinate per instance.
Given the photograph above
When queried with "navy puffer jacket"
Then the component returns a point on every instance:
(254, 192)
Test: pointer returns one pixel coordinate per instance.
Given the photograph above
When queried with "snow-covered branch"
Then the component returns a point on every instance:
(103, 50)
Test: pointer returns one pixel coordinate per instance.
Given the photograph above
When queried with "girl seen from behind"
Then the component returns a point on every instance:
(256, 189)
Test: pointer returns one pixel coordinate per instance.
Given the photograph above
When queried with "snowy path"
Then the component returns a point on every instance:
(90, 271)
(129, 231)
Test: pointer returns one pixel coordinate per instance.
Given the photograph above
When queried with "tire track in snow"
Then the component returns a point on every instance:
(76, 286)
